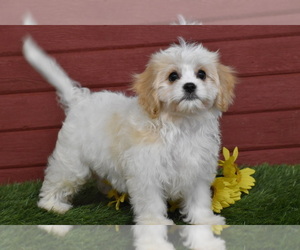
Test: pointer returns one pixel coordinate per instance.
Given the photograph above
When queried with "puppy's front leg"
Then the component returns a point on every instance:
(145, 191)
(197, 205)
(148, 203)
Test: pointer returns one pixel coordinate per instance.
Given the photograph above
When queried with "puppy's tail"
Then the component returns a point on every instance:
(67, 89)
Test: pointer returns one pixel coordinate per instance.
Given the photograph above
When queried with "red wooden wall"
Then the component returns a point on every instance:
(264, 121)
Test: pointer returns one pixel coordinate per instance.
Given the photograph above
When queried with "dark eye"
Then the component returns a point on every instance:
(201, 74)
(173, 76)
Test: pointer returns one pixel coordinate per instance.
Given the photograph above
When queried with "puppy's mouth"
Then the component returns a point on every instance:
(189, 97)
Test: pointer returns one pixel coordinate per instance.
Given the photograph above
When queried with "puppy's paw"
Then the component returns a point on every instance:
(213, 220)
(54, 205)
(209, 220)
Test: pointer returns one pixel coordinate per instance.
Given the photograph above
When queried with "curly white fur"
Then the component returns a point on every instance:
(161, 144)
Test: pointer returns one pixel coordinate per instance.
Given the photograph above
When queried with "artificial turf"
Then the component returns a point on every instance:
(274, 200)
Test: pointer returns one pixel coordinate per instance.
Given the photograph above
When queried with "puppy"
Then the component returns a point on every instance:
(162, 144)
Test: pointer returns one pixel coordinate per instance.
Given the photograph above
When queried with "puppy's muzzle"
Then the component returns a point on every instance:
(189, 92)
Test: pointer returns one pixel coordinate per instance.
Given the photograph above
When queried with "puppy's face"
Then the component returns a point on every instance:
(185, 78)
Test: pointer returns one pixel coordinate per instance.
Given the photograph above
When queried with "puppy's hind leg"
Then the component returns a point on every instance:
(62, 180)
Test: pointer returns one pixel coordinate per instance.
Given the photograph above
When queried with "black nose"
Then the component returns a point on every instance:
(189, 87)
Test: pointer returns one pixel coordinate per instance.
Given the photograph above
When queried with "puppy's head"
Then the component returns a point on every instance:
(185, 78)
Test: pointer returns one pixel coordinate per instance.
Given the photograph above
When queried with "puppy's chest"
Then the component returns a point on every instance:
(192, 147)
(188, 159)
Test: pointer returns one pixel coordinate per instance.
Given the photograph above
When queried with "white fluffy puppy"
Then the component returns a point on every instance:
(162, 144)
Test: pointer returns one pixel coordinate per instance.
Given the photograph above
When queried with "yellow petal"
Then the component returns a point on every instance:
(245, 191)
(221, 163)
(122, 198)
(226, 153)
(113, 193)
(235, 153)
(248, 171)
(118, 205)
(216, 206)
(111, 203)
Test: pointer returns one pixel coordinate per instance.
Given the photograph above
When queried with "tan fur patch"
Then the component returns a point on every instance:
(143, 136)
(147, 94)
(226, 91)
(125, 136)
(114, 126)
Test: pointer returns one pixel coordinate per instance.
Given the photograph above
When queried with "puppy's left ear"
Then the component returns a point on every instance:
(227, 77)
(147, 94)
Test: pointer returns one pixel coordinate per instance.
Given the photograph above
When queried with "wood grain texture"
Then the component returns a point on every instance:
(26, 148)
(263, 122)
(21, 174)
(77, 38)
(266, 93)
(263, 130)
(271, 156)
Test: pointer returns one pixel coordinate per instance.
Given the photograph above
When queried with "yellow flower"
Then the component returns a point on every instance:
(118, 198)
(229, 166)
(225, 193)
(231, 170)
(245, 181)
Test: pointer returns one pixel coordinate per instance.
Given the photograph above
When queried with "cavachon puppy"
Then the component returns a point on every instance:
(162, 144)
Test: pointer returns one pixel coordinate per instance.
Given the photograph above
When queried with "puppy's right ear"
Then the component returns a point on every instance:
(143, 86)
(228, 81)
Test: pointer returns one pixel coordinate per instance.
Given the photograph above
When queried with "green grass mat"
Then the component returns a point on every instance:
(273, 200)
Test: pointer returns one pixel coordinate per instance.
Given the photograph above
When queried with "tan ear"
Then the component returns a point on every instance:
(226, 91)
(144, 87)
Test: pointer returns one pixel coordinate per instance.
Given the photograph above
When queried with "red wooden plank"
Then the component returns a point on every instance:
(254, 94)
(264, 56)
(115, 67)
(21, 174)
(262, 130)
(26, 148)
(266, 93)
(272, 156)
(31, 110)
(99, 37)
